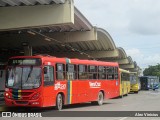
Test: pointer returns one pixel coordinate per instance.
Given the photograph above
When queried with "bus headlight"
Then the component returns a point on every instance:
(7, 95)
(35, 96)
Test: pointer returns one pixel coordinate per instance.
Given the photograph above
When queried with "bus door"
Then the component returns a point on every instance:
(72, 83)
(48, 82)
(122, 83)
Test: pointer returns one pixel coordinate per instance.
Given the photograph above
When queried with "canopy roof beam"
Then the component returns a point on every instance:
(34, 16)
(127, 66)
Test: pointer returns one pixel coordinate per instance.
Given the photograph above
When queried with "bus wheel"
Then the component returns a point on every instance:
(59, 102)
(100, 98)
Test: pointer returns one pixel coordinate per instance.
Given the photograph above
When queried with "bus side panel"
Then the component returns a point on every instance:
(94, 87)
(115, 88)
(129, 86)
(48, 96)
(72, 92)
(83, 91)
(112, 89)
(109, 88)
(125, 87)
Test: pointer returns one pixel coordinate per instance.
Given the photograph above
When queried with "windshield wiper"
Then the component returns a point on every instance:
(31, 68)
(29, 74)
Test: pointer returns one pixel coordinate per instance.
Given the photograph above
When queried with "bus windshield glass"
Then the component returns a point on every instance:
(133, 79)
(27, 77)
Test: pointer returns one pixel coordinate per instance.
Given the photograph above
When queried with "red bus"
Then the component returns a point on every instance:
(43, 81)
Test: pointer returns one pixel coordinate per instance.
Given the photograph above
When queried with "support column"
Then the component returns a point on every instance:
(27, 51)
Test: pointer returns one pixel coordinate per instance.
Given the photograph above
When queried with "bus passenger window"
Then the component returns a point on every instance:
(92, 72)
(124, 77)
(60, 71)
(110, 73)
(48, 75)
(82, 72)
(101, 72)
(71, 72)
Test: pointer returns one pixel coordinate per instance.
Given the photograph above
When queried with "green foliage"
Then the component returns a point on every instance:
(152, 71)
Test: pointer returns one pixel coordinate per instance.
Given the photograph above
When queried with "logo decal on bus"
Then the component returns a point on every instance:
(60, 86)
(94, 84)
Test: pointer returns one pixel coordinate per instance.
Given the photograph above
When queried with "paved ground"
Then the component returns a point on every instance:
(144, 101)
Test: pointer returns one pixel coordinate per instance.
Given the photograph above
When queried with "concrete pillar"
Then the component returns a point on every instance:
(27, 50)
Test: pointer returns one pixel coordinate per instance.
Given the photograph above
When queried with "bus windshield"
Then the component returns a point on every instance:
(133, 79)
(28, 77)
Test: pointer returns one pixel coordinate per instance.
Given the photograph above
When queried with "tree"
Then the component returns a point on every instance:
(152, 71)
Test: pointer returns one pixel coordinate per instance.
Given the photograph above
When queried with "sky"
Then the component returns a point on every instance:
(134, 25)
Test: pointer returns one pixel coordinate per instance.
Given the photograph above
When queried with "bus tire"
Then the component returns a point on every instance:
(100, 98)
(59, 102)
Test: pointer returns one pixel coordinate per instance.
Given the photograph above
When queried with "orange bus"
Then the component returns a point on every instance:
(43, 81)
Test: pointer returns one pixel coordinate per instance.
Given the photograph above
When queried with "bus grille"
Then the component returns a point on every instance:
(22, 93)
(22, 102)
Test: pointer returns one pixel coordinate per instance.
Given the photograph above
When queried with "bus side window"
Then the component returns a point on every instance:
(92, 72)
(82, 72)
(110, 73)
(101, 72)
(48, 75)
(60, 71)
(71, 72)
(122, 77)
(125, 77)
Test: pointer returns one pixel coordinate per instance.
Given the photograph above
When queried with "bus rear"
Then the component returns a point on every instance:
(144, 83)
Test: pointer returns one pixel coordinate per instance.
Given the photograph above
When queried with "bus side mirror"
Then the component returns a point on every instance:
(45, 70)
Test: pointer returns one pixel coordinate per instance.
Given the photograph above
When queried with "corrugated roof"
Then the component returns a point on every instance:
(4, 3)
(103, 43)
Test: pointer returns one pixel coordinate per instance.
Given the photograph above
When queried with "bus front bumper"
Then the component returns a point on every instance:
(134, 88)
(23, 103)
